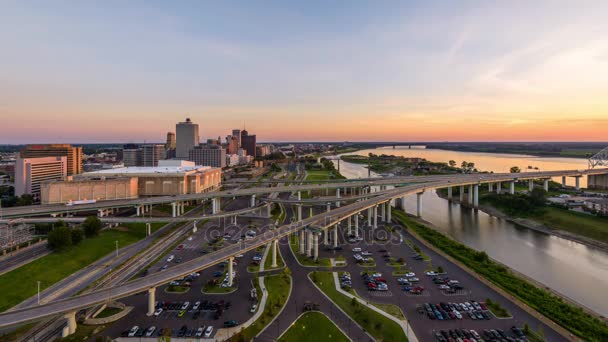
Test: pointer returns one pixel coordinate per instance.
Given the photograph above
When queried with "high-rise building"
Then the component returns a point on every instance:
(151, 154)
(73, 154)
(131, 155)
(31, 172)
(170, 141)
(248, 142)
(186, 137)
(232, 145)
(208, 155)
(237, 134)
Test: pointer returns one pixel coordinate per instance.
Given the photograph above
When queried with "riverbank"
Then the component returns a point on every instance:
(537, 300)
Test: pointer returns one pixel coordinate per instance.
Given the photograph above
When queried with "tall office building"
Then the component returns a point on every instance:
(151, 154)
(73, 154)
(237, 134)
(186, 137)
(170, 141)
(248, 142)
(131, 155)
(31, 172)
(208, 155)
(232, 145)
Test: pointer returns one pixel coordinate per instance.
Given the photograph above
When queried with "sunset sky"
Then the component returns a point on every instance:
(127, 71)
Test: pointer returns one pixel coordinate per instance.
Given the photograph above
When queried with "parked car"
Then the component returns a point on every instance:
(208, 331)
(230, 324)
(133, 331)
(158, 312)
(150, 331)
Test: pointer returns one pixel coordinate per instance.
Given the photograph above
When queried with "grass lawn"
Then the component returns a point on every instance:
(58, 265)
(303, 259)
(314, 175)
(380, 327)
(177, 289)
(268, 262)
(313, 326)
(497, 309)
(168, 208)
(107, 312)
(278, 292)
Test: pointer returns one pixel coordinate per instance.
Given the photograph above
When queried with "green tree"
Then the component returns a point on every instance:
(60, 238)
(452, 163)
(25, 199)
(77, 235)
(515, 169)
(470, 166)
(91, 226)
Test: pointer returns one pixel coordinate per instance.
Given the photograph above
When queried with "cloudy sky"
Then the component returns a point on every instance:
(127, 71)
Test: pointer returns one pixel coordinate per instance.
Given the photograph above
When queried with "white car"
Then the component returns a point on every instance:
(356, 249)
(158, 312)
(239, 255)
(413, 279)
(458, 314)
(185, 305)
(366, 253)
(208, 331)
(253, 308)
(196, 305)
(199, 332)
(190, 238)
(377, 275)
(170, 258)
(410, 274)
(133, 331)
(444, 287)
(150, 331)
(431, 273)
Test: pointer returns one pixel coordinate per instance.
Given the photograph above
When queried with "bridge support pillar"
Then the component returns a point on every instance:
(100, 212)
(328, 207)
(335, 238)
(315, 242)
(302, 241)
(419, 204)
(349, 225)
(299, 195)
(274, 252)
(299, 212)
(252, 204)
(173, 209)
(476, 196)
(309, 243)
(310, 212)
(383, 212)
(546, 184)
(563, 181)
(375, 217)
(70, 327)
(388, 212)
(148, 229)
(151, 301)
(530, 185)
(498, 187)
(326, 236)
(490, 187)
(357, 225)
(449, 193)
(230, 271)
(214, 206)
(470, 195)
(369, 216)
(403, 204)
(138, 210)
(269, 209)
(338, 196)
(578, 182)
(512, 187)
(461, 195)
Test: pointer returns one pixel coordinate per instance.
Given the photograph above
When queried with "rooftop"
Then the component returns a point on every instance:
(149, 170)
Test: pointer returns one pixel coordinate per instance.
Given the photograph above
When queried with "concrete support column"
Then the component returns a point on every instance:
(309, 244)
(302, 241)
(375, 217)
(70, 327)
(326, 236)
(269, 209)
(299, 195)
(151, 301)
(383, 212)
(498, 187)
(349, 225)
(328, 207)
(403, 204)
(335, 235)
(578, 182)
(230, 271)
(299, 212)
(470, 197)
(369, 216)
(461, 193)
(252, 201)
(357, 225)
(100, 212)
(419, 204)
(512, 187)
(148, 229)
(490, 187)
(530, 185)
(173, 209)
(315, 242)
(338, 196)
(449, 193)
(274, 253)
(546, 184)
(563, 181)
(138, 210)
(476, 196)
(389, 213)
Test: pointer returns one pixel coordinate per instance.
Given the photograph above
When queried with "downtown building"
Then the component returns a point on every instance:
(73, 155)
(248, 143)
(144, 155)
(186, 138)
(208, 155)
(30, 173)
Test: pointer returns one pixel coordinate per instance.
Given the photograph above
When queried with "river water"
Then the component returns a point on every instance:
(574, 270)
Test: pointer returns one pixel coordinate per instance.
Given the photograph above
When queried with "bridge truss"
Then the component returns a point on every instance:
(599, 159)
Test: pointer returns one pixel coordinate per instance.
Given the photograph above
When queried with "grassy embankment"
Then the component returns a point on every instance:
(268, 262)
(58, 265)
(380, 327)
(302, 258)
(567, 315)
(277, 287)
(313, 326)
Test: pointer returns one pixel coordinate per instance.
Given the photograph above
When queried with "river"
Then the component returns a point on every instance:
(572, 269)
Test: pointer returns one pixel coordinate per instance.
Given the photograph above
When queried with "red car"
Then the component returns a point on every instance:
(372, 286)
(180, 247)
(382, 280)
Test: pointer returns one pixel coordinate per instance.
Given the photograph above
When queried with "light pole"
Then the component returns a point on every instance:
(38, 292)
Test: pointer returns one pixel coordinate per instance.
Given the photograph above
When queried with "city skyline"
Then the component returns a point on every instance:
(353, 72)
